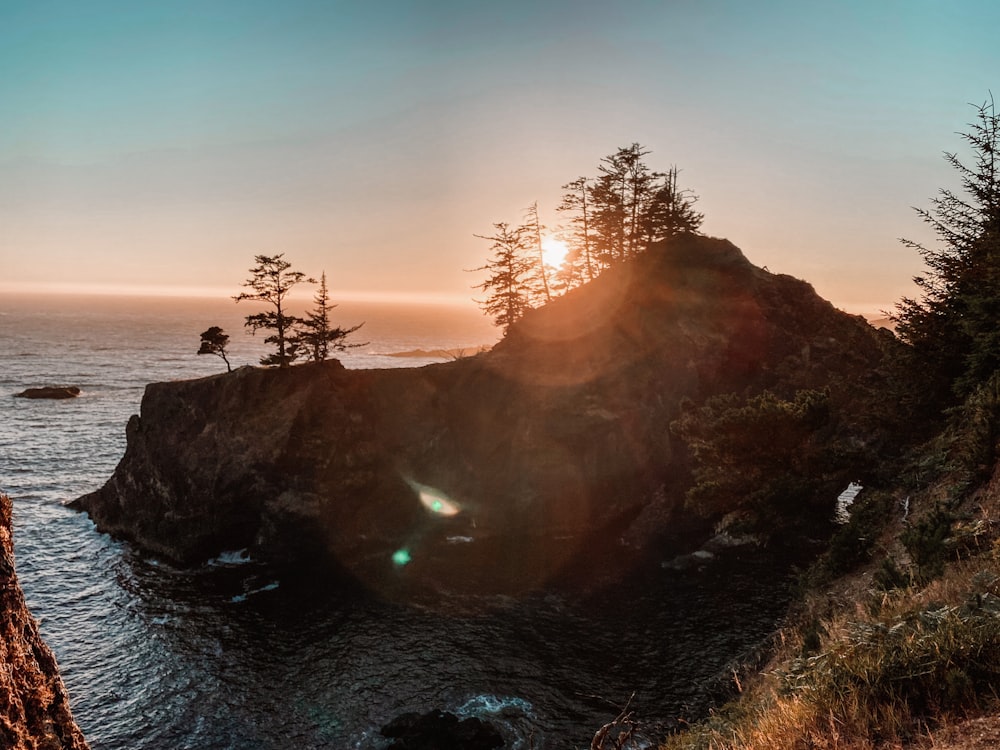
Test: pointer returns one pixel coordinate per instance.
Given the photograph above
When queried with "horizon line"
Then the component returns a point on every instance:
(218, 292)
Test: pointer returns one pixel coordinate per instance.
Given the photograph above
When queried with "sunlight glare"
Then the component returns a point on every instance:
(554, 252)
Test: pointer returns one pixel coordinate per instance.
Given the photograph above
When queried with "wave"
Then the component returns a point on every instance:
(495, 705)
(246, 595)
(230, 558)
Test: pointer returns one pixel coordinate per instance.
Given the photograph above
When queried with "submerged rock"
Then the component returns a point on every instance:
(55, 392)
(34, 707)
(545, 451)
(440, 730)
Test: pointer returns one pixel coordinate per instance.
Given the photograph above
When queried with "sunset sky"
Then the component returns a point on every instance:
(164, 144)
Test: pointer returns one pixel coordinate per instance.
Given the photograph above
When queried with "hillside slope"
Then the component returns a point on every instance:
(896, 642)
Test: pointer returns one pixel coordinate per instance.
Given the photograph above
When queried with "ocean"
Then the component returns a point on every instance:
(228, 655)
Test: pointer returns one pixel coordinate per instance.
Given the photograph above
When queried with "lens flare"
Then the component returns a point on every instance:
(434, 500)
(401, 557)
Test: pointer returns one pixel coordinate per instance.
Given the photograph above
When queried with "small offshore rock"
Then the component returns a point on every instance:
(687, 562)
(54, 392)
(440, 730)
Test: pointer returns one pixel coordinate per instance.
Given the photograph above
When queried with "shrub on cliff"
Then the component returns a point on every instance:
(762, 456)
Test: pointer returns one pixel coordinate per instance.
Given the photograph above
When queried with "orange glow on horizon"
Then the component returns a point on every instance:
(304, 292)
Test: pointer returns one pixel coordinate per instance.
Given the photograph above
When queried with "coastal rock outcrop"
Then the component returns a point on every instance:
(440, 730)
(489, 473)
(34, 707)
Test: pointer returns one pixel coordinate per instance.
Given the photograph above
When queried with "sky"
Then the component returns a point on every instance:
(160, 146)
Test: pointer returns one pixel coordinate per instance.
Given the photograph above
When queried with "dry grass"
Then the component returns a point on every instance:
(884, 669)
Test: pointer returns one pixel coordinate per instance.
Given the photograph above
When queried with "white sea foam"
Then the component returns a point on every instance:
(232, 557)
(481, 705)
(247, 594)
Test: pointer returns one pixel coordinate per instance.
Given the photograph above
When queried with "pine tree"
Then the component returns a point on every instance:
(620, 196)
(270, 282)
(214, 341)
(953, 327)
(580, 261)
(670, 211)
(315, 332)
(508, 281)
(531, 230)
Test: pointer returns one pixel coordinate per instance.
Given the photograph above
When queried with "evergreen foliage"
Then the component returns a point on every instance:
(270, 282)
(761, 455)
(508, 283)
(610, 218)
(541, 288)
(631, 206)
(670, 210)
(952, 327)
(581, 264)
(214, 341)
(316, 335)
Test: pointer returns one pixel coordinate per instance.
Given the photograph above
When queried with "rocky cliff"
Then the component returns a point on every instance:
(491, 472)
(34, 707)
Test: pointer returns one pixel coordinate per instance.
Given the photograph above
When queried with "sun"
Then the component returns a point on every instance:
(553, 252)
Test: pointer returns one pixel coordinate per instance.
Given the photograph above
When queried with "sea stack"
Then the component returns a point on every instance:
(497, 472)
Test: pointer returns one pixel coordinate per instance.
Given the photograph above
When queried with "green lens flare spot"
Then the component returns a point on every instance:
(401, 557)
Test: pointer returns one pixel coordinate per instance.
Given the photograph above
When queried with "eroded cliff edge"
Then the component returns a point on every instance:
(34, 707)
(491, 472)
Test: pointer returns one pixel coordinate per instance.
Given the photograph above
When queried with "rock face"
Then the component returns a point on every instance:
(491, 472)
(440, 730)
(34, 708)
(50, 391)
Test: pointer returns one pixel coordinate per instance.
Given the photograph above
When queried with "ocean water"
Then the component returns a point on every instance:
(229, 655)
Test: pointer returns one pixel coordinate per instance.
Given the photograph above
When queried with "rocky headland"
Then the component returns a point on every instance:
(34, 706)
(498, 472)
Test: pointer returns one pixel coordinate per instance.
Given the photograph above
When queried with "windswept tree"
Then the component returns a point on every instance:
(214, 341)
(953, 326)
(316, 334)
(508, 276)
(270, 282)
